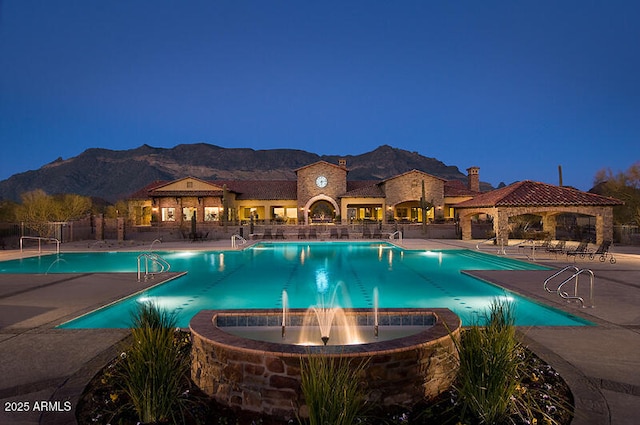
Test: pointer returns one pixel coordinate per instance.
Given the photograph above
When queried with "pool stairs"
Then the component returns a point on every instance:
(575, 274)
(153, 264)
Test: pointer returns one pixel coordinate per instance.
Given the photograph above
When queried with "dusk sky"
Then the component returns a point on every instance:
(513, 87)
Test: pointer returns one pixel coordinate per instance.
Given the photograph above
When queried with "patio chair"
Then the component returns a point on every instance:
(580, 250)
(267, 234)
(603, 252)
(558, 248)
(377, 233)
(302, 234)
(279, 233)
(333, 233)
(344, 233)
(313, 234)
(366, 233)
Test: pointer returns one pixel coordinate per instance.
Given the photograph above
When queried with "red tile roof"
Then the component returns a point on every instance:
(262, 189)
(457, 188)
(530, 193)
(363, 189)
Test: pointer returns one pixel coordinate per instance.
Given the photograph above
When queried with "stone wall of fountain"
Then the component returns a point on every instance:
(264, 376)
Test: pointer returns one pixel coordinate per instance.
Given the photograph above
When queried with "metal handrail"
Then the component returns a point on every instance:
(546, 282)
(575, 296)
(235, 238)
(397, 233)
(153, 258)
(500, 251)
(40, 242)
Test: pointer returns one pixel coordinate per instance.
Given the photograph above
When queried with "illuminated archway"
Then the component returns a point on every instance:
(321, 203)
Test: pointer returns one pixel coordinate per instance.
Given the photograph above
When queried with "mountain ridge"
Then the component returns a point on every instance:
(115, 174)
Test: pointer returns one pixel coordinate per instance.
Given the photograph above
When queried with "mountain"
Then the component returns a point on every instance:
(114, 175)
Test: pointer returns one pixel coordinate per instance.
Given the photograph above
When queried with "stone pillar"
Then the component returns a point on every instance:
(100, 227)
(549, 225)
(465, 227)
(120, 228)
(501, 228)
(604, 225)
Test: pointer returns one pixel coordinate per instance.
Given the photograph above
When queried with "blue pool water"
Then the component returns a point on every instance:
(309, 273)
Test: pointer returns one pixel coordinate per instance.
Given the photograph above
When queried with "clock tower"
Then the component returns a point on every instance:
(321, 181)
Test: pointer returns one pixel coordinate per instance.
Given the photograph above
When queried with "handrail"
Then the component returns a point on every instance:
(396, 233)
(153, 258)
(501, 250)
(575, 296)
(546, 282)
(486, 240)
(40, 242)
(235, 238)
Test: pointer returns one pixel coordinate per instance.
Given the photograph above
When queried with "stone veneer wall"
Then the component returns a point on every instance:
(265, 377)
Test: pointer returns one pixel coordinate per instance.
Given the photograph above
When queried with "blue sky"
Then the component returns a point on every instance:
(514, 87)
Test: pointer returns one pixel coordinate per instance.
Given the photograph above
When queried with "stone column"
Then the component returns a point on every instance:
(465, 227)
(549, 225)
(501, 227)
(120, 228)
(99, 219)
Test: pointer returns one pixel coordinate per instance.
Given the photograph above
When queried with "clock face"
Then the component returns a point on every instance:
(321, 181)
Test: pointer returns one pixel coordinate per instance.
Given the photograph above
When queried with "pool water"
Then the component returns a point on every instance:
(346, 274)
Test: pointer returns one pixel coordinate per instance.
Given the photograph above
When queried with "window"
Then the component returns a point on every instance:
(188, 212)
(168, 214)
(212, 213)
(189, 185)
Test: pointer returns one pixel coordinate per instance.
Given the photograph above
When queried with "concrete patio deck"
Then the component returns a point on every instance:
(49, 368)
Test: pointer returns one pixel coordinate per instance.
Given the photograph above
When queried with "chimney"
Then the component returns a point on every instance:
(473, 178)
(342, 163)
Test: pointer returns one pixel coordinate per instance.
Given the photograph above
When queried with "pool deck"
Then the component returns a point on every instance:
(48, 368)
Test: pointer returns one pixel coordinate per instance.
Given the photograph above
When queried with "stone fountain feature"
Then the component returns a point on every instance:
(250, 359)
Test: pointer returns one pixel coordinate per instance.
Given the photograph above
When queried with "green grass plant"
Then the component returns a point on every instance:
(154, 371)
(490, 367)
(333, 389)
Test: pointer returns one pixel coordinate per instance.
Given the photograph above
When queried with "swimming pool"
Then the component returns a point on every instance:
(257, 276)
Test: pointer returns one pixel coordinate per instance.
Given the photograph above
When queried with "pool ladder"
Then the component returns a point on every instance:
(576, 272)
(150, 259)
(234, 241)
(397, 234)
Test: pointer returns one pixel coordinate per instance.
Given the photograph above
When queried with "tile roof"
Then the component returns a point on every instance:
(262, 189)
(530, 193)
(363, 189)
(457, 188)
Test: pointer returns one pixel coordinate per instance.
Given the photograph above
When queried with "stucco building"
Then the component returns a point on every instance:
(320, 194)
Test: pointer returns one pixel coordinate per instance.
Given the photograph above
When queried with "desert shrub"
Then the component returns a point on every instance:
(333, 389)
(154, 371)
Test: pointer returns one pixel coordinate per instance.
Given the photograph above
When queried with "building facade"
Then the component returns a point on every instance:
(321, 193)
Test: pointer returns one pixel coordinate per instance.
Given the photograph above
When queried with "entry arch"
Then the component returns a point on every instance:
(313, 200)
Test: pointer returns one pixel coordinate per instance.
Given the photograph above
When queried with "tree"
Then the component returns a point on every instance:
(38, 210)
(624, 186)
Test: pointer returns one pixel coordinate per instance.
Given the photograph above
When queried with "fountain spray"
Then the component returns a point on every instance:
(375, 311)
(284, 313)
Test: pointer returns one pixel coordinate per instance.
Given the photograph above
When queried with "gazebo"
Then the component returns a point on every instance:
(545, 200)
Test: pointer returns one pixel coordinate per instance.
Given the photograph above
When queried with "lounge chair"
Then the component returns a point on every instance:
(267, 234)
(279, 233)
(344, 233)
(313, 233)
(580, 250)
(377, 233)
(302, 234)
(333, 233)
(603, 252)
(366, 233)
(558, 248)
